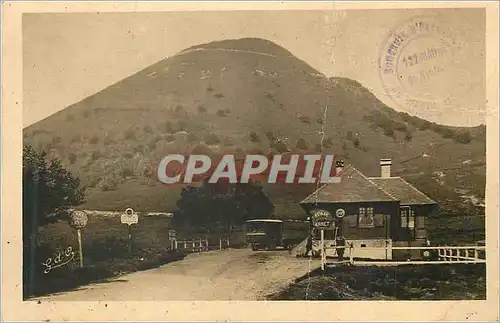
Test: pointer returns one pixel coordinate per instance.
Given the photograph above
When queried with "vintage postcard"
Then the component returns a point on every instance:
(247, 161)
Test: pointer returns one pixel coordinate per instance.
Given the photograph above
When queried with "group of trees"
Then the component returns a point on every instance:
(220, 206)
(48, 191)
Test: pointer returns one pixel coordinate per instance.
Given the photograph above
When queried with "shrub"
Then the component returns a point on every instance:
(127, 172)
(130, 134)
(192, 137)
(147, 129)
(94, 140)
(128, 155)
(327, 142)
(182, 125)
(462, 137)
(305, 119)
(108, 184)
(168, 128)
(254, 137)
(388, 132)
(280, 146)
(408, 136)
(179, 108)
(211, 139)
(447, 133)
(202, 109)
(210, 89)
(219, 95)
(96, 154)
(221, 113)
(170, 138)
(270, 135)
(302, 144)
(72, 158)
(319, 120)
(356, 142)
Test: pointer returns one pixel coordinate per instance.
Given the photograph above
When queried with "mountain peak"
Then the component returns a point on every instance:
(259, 45)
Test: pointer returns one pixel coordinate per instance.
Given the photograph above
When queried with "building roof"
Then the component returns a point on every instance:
(265, 220)
(353, 187)
(406, 193)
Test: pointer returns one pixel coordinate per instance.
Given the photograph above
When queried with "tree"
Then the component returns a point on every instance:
(48, 191)
(212, 206)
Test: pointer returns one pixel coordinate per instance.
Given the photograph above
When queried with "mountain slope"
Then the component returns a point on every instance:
(247, 95)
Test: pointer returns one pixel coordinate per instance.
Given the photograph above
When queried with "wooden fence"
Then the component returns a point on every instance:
(198, 245)
(446, 255)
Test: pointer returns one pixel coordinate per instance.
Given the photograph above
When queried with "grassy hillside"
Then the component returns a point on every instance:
(247, 95)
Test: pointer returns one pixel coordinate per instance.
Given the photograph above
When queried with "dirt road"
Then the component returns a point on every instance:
(234, 274)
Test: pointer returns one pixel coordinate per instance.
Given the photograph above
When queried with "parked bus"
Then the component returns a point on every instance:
(264, 234)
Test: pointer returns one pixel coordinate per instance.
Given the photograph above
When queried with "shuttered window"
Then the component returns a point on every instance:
(366, 217)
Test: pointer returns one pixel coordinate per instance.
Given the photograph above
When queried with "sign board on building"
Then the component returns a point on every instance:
(321, 219)
(129, 217)
(340, 213)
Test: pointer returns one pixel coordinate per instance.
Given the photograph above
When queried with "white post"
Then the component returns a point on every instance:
(220, 243)
(322, 249)
(476, 254)
(80, 249)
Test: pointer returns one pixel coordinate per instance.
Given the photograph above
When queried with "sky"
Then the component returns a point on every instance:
(69, 56)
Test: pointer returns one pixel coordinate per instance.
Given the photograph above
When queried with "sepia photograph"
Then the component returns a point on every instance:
(255, 155)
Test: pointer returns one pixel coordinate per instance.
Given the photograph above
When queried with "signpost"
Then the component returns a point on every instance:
(78, 219)
(172, 236)
(322, 219)
(129, 218)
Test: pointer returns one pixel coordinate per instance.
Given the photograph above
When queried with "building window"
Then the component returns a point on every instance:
(366, 218)
(407, 218)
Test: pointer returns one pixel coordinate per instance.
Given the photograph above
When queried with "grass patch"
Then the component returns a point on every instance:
(407, 282)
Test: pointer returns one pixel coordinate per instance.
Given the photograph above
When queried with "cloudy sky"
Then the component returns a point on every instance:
(69, 56)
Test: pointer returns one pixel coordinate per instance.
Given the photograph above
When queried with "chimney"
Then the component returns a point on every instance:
(385, 168)
(339, 166)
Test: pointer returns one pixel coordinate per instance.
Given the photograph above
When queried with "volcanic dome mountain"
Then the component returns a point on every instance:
(247, 95)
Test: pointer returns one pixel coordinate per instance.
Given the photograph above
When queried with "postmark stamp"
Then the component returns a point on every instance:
(417, 60)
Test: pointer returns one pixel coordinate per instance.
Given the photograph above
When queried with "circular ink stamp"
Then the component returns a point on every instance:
(418, 63)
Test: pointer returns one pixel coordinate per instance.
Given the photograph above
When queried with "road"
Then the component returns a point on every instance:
(233, 274)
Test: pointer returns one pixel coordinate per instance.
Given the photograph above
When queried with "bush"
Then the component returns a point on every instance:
(221, 113)
(168, 128)
(305, 119)
(408, 136)
(211, 139)
(147, 129)
(388, 132)
(202, 109)
(130, 134)
(219, 95)
(254, 137)
(72, 158)
(182, 125)
(210, 89)
(96, 154)
(271, 136)
(94, 140)
(356, 142)
(302, 144)
(319, 120)
(108, 184)
(280, 146)
(170, 138)
(462, 137)
(328, 142)
(192, 137)
(127, 172)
